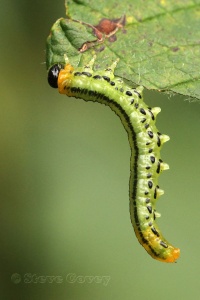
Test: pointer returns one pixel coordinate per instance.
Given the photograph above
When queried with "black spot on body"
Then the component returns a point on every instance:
(128, 93)
(155, 231)
(112, 83)
(149, 209)
(142, 111)
(144, 240)
(150, 184)
(155, 193)
(163, 244)
(158, 141)
(87, 74)
(150, 133)
(77, 74)
(136, 105)
(106, 78)
(97, 77)
(158, 168)
(152, 158)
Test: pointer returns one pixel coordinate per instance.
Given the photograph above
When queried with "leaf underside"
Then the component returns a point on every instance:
(158, 47)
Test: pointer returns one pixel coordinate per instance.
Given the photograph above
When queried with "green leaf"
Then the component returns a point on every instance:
(159, 46)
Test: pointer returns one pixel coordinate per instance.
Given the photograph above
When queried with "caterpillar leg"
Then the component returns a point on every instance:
(110, 70)
(113, 66)
(90, 65)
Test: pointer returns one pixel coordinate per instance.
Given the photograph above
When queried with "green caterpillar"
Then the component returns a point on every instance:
(145, 142)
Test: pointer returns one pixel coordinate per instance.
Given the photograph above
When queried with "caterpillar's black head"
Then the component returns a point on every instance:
(53, 75)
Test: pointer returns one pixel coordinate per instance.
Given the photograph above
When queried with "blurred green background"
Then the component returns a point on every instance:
(64, 173)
